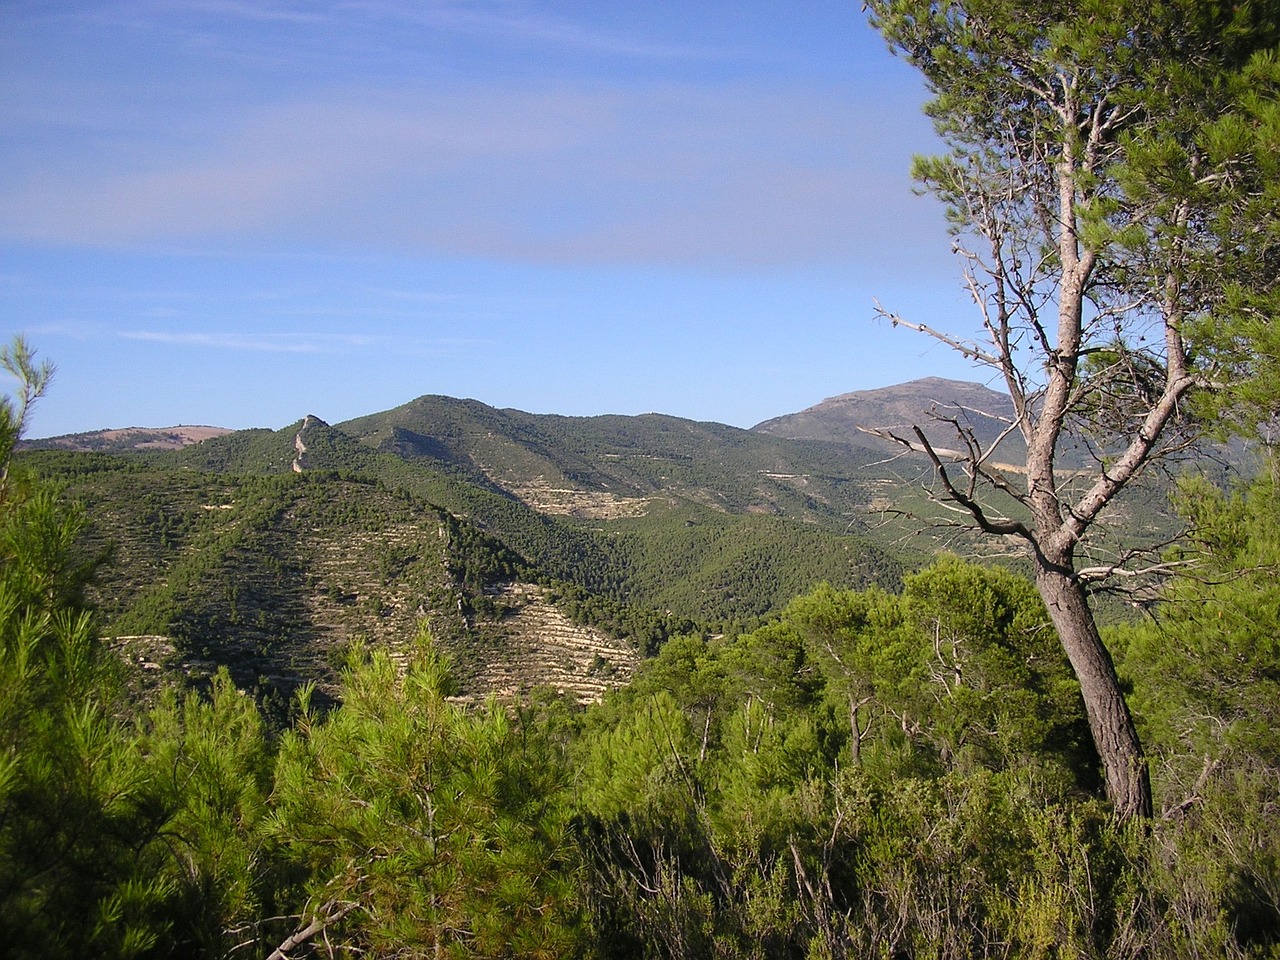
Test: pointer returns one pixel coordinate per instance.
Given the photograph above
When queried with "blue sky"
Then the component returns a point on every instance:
(238, 212)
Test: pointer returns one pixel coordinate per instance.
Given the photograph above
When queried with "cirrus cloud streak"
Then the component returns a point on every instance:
(666, 174)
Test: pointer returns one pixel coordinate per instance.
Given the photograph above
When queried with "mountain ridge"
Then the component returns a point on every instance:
(129, 438)
(921, 395)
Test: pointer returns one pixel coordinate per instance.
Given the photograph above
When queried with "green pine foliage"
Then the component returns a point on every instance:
(1206, 677)
(910, 775)
(66, 783)
(208, 762)
(442, 831)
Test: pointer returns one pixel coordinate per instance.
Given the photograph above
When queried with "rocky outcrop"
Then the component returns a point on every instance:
(299, 444)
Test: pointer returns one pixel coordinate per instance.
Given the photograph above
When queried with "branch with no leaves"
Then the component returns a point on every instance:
(1197, 792)
(965, 348)
(1000, 526)
(1136, 573)
(1107, 571)
(976, 460)
(1111, 481)
(329, 914)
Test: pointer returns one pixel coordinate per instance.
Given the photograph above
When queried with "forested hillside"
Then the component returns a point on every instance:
(268, 551)
(274, 576)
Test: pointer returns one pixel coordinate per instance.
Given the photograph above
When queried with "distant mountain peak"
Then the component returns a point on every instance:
(846, 418)
(938, 390)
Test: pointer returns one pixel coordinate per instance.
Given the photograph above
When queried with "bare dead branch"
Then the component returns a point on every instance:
(326, 916)
(1001, 527)
(946, 453)
(965, 348)
(1110, 570)
(1110, 483)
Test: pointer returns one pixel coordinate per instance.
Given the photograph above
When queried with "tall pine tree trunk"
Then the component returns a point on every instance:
(1110, 722)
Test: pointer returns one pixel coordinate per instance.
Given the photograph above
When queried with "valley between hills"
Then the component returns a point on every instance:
(539, 550)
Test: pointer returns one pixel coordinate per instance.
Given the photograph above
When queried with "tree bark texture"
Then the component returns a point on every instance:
(1110, 722)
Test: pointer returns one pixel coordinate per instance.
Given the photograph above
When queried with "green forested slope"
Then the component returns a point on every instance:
(272, 575)
(642, 525)
(686, 557)
(730, 469)
(902, 772)
(721, 525)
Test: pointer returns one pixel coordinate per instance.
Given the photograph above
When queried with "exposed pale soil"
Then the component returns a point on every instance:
(575, 502)
(544, 648)
(139, 438)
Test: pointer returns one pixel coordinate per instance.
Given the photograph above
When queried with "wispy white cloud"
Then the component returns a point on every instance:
(250, 10)
(525, 23)
(172, 14)
(221, 23)
(675, 174)
(256, 342)
(304, 342)
(567, 170)
(84, 331)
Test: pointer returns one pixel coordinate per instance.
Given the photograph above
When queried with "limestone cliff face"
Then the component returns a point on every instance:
(309, 422)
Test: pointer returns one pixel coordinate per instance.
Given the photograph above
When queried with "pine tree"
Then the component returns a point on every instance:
(1082, 189)
(422, 826)
(69, 784)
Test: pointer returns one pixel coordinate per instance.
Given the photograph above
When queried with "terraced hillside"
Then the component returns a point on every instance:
(711, 522)
(542, 643)
(270, 551)
(274, 576)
